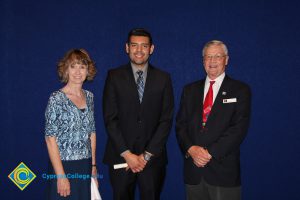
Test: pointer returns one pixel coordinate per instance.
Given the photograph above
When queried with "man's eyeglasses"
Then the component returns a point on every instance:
(216, 57)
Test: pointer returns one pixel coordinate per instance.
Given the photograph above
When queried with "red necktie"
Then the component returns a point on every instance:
(208, 102)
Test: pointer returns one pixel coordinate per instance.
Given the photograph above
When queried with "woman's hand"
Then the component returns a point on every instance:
(95, 175)
(63, 187)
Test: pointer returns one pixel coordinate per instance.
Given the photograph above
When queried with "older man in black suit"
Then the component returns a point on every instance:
(138, 111)
(211, 123)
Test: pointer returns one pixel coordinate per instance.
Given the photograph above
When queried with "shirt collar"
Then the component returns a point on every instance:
(135, 68)
(218, 80)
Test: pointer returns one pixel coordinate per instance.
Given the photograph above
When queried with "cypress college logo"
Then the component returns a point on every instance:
(21, 176)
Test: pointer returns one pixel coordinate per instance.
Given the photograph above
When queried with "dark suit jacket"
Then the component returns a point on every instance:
(134, 126)
(225, 130)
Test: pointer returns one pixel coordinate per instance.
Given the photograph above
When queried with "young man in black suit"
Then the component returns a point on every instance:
(211, 123)
(138, 111)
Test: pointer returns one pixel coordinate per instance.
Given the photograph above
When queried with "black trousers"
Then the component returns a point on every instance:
(149, 181)
(205, 191)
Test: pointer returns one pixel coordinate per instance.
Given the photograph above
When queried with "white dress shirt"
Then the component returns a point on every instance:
(216, 86)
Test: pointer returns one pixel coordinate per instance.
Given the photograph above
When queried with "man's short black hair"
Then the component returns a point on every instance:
(139, 32)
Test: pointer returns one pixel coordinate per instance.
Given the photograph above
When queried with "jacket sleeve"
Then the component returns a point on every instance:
(110, 115)
(182, 125)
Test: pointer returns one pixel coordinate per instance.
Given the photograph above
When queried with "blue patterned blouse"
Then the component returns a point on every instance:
(71, 126)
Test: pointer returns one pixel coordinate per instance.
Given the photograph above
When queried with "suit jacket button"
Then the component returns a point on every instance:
(203, 130)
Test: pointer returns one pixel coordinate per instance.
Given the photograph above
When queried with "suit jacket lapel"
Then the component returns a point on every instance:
(131, 83)
(219, 98)
(149, 83)
(200, 98)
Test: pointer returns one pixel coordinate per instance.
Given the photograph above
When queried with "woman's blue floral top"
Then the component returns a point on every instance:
(70, 125)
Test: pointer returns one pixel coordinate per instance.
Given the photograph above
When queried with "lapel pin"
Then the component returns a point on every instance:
(223, 93)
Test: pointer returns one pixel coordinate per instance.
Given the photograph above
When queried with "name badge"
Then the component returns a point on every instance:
(232, 100)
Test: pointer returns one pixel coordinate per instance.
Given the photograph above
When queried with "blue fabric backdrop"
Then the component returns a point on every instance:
(263, 40)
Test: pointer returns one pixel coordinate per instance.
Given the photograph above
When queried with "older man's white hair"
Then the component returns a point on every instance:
(215, 42)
